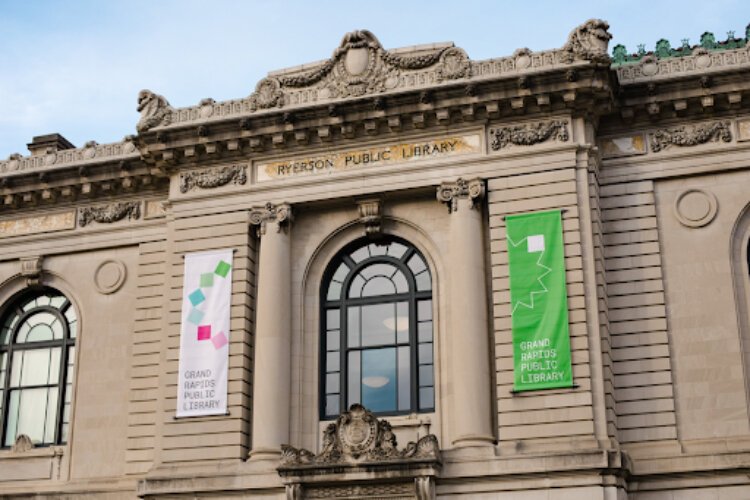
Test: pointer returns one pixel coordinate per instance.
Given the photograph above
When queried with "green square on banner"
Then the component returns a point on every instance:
(222, 268)
(195, 316)
(207, 280)
(196, 297)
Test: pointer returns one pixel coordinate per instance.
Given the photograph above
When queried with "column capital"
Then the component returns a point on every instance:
(281, 214)
(450, 192)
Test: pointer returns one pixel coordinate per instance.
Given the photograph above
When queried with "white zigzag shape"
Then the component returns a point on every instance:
(539, 279)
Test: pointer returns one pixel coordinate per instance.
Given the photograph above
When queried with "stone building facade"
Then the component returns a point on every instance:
(409, 158)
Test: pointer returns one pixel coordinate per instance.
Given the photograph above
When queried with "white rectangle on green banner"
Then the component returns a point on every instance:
(204, 334)
(539, 301)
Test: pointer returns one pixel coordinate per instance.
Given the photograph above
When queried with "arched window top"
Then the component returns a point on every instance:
(37, 352)
(377, 330)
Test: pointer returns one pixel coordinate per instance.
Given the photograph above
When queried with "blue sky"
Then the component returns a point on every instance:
(76, 66)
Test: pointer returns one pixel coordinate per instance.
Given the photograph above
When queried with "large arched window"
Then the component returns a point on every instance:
(37, 351)
(377, 341)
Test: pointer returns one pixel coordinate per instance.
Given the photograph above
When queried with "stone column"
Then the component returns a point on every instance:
(272, 373)
(468, 335)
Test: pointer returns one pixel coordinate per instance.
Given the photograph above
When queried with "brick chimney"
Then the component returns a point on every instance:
(50, 143)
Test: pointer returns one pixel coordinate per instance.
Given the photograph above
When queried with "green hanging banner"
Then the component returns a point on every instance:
(539, 301)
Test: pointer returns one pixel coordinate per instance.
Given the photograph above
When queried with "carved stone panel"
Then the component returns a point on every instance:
(107, 214)
(528, 134)
(38, 224)
(212, 177)
(690, 136)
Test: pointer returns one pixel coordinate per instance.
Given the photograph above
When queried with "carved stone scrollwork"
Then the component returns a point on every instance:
(358, 437)
(212, 178)
(528, 135)
(450, 192)
(454, 64)
(154, 110)
(370, 215)
(425, 488)
(261, 216)
(107, 214)
(681, 136)
(589, 42)
(31, 269)
(23, 443)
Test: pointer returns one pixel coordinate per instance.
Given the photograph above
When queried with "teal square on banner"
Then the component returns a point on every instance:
(195, 316)
(222, 268)
(207, 280)
(196, 297)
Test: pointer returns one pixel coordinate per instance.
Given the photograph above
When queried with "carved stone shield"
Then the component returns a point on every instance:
(357, 60)
(357, 430)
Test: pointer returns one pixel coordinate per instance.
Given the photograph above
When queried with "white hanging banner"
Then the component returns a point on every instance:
(204, 334)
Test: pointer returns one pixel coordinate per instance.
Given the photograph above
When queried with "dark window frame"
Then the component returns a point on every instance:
(14, 307)
(412, 297)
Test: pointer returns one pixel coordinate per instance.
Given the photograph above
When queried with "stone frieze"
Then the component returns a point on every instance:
(212, 177)
(693, 136)
(528, 135)
(107, 214)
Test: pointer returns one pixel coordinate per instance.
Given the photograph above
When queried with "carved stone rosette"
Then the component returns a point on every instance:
(681, 136)
(107, 214)
(212, 178)
(260, 216)
(528, 135)
(450, 192)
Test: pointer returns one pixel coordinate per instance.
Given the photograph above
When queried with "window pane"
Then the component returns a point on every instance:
(332, 340)
(416, 264)
(353, 327)
(333, 361)
(332, 404)
(360, 254)
(426, 377)
(354, 377)
(425, 353)
(396, 250)
(379, 379)
(32, 413)
(49, 425)
(424, 310)
(341, 272)
(334, 291)
(376, 249)
(426, 398)
(54, 366)
(423, 281)
(35, 365)
(57, 301)
(375, 324)
(404, 379)
(332, 383)
(424, 330)
(402, 322)
(332, 319)
(4, 335)
(378, 286)
(64, 433)
(12, 418)
(402, 286)
(355, 289)
(386, 270)
(43, 300)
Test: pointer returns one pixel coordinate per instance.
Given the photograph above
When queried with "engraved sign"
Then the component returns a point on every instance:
(369, 157)
(38, 224)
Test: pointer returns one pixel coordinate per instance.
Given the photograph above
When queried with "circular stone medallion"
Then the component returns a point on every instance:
(109, 276)
(695, 208)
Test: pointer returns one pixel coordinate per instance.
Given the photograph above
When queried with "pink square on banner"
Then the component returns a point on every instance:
(219, 340)
(204, 332)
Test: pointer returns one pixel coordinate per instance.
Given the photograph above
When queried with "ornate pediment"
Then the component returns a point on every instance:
(359, 66)
(358, 438)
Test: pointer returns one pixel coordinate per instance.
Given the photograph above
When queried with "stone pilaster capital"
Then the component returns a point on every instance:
(280, 214)
(450, 192)
(31, 269)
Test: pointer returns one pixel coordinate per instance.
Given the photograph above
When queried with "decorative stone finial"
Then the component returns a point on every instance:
(450, 192)
(589, 41)
(154, 110)
(281, 214)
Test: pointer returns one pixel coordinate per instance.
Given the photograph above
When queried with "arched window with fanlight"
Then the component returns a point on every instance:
(377, 330)
(37, 351)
